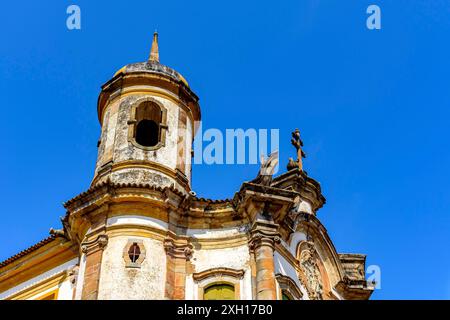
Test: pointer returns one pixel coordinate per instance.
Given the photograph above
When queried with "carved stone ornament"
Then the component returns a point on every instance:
(72, 274)
(308, 264)
(218, 273)
(259, 239)
(175, 250)
(267, 169)
(98, 244)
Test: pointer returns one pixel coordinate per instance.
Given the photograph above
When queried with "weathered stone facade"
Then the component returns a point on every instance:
(139, 232)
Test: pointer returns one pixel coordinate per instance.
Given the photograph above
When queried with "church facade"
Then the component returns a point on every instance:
(140, 232)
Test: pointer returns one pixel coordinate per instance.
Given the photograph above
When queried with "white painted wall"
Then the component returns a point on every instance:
(215, 233)
(282, 266)
(80, 277)
(295, 240)
(246, 285)
(138, 221)
(235, 258)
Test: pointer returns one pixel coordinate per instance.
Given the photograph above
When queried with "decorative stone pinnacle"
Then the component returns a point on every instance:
(297, 142)
(154, 52)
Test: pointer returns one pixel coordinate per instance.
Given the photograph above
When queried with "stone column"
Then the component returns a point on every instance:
(94, 252)
(262, 243)
(178, 253)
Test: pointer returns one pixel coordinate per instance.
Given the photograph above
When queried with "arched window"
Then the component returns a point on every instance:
(219, 283)
(147, 129)
(219, 291)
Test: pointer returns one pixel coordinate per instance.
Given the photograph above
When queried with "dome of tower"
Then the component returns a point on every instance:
(152, 65)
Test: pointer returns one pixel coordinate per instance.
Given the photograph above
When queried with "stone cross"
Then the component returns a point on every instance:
(298, 144)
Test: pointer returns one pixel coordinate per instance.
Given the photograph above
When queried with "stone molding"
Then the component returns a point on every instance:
(214, 276)
(288, 285)
(259, 240)
(110, 168)
(218, 273)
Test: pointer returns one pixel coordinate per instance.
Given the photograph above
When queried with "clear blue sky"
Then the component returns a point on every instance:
(373, 108)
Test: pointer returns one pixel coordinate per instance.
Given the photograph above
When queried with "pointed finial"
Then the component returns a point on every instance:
(154, 53)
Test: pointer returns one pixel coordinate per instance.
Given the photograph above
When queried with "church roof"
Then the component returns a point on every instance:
(22, 253)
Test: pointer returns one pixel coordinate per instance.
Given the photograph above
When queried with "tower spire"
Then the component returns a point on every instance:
(154, 53)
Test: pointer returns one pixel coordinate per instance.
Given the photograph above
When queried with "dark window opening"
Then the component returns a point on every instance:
(149, 125)
(134, 252)
(147, 133)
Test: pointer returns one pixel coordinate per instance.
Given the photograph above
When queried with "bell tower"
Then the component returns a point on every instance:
(140, 233)
(148, 116)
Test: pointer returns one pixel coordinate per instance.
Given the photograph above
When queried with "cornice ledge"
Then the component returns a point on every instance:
(298, 179)
(352, 289)
(262, 189)
(108, 187)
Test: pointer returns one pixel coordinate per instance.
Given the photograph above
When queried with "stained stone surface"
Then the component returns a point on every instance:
(115, 146)
(141, 176)
(236, 258)
(153, 67)
(119, 282)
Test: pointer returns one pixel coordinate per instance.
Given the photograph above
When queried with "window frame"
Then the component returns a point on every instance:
(132, 124)
(217, 276)
(126, 256)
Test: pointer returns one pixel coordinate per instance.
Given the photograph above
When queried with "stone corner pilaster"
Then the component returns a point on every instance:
(179, 251)
(263, 238)
(93, 251)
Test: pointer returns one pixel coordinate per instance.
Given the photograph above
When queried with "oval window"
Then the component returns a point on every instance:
(134, 252)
